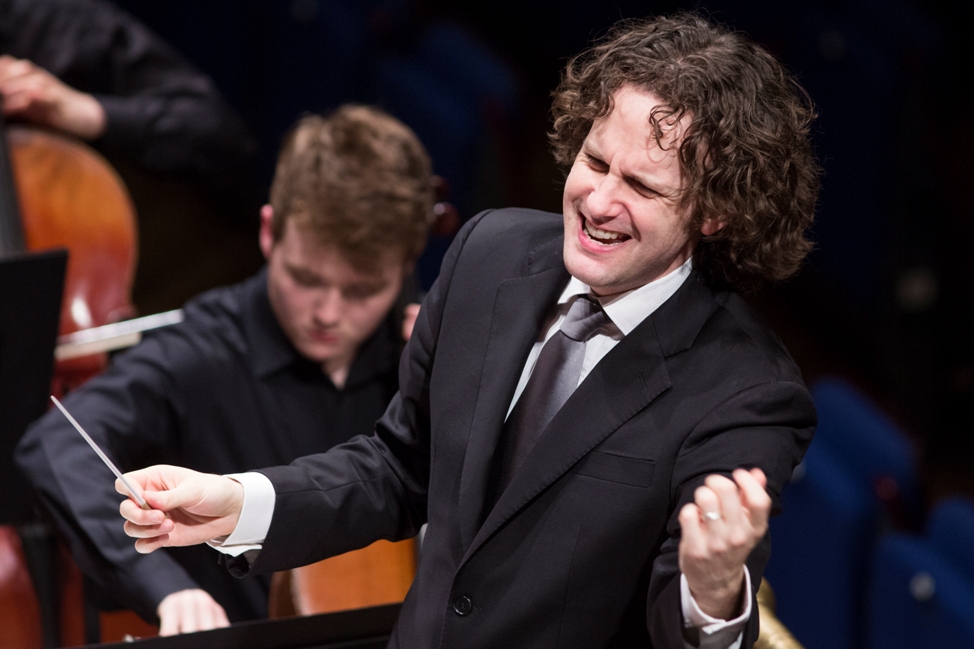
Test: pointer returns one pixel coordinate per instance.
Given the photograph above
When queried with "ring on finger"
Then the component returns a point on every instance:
(711, 516)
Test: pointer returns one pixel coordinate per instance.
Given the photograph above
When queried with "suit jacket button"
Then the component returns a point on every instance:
(462, 606)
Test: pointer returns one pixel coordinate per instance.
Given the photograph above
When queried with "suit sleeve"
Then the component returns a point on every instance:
(161, 112)
(130, 411)
(164, 113)
(372, 487)
(769, 426)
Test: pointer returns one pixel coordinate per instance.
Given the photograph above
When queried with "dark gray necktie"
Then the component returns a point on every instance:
(554, 379)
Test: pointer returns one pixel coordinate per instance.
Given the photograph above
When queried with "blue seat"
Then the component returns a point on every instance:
(817, 565)
(857, 479)
(918, 599)
(864, 438)
(951, 530)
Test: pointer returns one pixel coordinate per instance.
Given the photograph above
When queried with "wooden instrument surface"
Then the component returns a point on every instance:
(71, 197)
(378, 574)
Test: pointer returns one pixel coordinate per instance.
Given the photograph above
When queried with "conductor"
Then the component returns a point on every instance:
(590, 419)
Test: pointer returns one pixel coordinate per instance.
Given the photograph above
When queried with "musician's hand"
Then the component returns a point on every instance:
(187, 507)
(409, 320)
(719, 530)
(190, 610)
(35, 95)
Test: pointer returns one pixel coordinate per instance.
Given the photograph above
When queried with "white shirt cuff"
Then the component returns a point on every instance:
(255, 515)
(715, 633)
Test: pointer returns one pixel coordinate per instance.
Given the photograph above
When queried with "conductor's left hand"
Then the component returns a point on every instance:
(187, 507)
(720, 528)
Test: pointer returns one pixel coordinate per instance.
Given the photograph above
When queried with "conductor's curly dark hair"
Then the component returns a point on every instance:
(746, 155)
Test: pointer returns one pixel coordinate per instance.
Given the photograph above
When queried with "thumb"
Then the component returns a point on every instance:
(179, 496)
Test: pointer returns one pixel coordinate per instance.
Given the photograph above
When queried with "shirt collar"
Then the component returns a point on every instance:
(272, 351)
(269, 346)
(628, 309)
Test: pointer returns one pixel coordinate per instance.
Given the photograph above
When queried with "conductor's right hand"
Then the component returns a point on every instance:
(187, 507)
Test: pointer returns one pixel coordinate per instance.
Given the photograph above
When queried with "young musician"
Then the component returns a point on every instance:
(297, 359)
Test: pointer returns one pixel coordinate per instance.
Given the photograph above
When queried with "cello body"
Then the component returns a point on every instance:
(70, 197)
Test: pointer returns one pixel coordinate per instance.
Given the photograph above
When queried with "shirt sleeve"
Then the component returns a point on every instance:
(255, 516)
(711, 632)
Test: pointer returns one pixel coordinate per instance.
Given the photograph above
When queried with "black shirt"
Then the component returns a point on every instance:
(222, 392)
(161, 112)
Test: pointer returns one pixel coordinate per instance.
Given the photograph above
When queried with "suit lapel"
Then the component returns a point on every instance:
(629, 377)
(625, 381)
(520, 307)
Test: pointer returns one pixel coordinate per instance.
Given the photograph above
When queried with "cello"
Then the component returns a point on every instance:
(70, 197)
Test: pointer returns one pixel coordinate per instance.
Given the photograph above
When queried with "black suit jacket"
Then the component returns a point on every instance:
(581, 549)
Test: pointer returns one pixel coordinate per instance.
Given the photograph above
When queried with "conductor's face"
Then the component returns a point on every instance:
(623, 224)
(326, 306)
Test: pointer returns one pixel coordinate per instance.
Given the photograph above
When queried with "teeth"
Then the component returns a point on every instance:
(604, 235)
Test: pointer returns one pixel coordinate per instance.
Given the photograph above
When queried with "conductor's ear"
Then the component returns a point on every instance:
(712, 225)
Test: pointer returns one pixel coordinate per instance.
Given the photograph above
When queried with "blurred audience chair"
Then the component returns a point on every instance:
(858, 478)
(918, 597)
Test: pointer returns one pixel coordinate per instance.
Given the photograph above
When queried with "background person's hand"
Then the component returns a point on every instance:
(719, 530)
(187, 507)
(190, 610)
(33, 94)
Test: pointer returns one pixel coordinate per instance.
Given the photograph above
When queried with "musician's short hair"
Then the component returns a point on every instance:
(358, 180)
(746, 155)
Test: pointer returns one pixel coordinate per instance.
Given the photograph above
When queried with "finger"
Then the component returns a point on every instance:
(148, 531)
(183, 494)
(131, 511)
(220, 616)
(204, 614)
(120, 486)
(145, 546)
(708, 502)
(168, 621)
(754, 498)
(156, 477)
(758, 475)
(729, 498)
(16, 101)
(693, 535)
(188, 614)
(13, 68)
(753, 492)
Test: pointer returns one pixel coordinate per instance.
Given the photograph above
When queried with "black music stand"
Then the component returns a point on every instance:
(30, 304)
(364, 628)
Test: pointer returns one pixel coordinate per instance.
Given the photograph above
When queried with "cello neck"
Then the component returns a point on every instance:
(11, 231)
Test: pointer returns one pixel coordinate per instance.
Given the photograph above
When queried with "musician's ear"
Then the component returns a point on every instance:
(266, 237)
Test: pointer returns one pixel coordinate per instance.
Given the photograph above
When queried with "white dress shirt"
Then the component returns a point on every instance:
(626, 311)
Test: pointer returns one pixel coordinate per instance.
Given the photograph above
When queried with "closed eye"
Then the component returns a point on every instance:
(596, 164)
(641, 188)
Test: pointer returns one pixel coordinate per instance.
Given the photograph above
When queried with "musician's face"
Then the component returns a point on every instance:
(327, 307)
